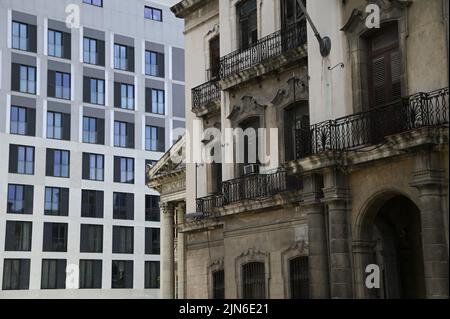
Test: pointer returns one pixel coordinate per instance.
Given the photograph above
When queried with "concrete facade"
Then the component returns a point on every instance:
(116, 21)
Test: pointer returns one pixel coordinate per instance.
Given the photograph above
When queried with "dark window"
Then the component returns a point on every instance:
(122, 274)
(123, 206)
(297, 132)
(23, 78)
(152, 278)
(93, 130)
(53, 274)
(154, 138)
(90, 274)
(214, 57)
(91, 203)
(123, 58)
(55, 43)
(126, 96)
(153, 14)
(123, 134)
(152, 210)
(61, 85)
(21, 159)
(218, 278)
(298, 278)
(16, 274)
(91, 239)
(20, 199)
(90, 51)
(96, 91)
(58, 126)
(56, 201)
(123, 170)
(58, 163)
(155, 101)
(123, 240)
(97, 3)
(55, 237)
(22, 121)
(154, 63)
(253, 281)
(152, 241)
(384, 66)
(93, 167)
(18, 236)
(291, 14)
(20, 36)
(248, 26)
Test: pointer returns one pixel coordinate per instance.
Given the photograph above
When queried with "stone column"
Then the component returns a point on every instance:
(429, 179)
(317, 240)
(167, 251)
(181, 271)
(337, 198)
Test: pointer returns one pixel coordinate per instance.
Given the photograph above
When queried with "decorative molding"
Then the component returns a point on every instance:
(296, 89)
(249, 107)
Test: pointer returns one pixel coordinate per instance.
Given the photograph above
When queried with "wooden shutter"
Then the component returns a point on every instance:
(378, 71)
(396, 88)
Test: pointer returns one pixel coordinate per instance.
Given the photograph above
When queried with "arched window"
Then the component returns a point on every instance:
(299, 278)
(253, 281)
(218, 278)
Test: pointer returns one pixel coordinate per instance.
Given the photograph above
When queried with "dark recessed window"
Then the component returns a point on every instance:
(154, 138)
(20, 199)
(248, 27)
(93, 167)
(253, 281)
(122, 274)
(90, 274)
(20, 36)
(91, 203)
(298, 278)
(53, 274)
(56, 201)
(91, 239)
(155, 101)
(16, 274)
(123, 170)
(94, 91)
(152, 278)
(153, 14)
(123, 134)
(58, 126)
(126, 96)
(58, 163)
(90, 51)
(152, 210)
(120, 57)
(97, 3)
(18, 236)
(123, 240)
(26, 78)
(55, 43)
(218, 278)
(55, 237)
(123, 206)
(152, 241)
(22, 121)
(21, 159)
(93, 130)
(154, 63)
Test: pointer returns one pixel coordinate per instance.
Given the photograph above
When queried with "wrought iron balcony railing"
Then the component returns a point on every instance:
(372, 126)
(268, 47)
(204, 94)
(206, 204)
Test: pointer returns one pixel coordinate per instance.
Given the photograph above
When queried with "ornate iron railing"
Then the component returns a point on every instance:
(204, 94)
(372, 126)
(206, 204)
(270, 46)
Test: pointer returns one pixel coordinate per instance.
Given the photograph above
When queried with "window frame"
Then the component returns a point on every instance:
(20, 37)
(54, 44)
(19, 130)
(152, 10)
(26, 80)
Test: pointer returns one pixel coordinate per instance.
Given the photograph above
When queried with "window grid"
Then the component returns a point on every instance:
(158, 102)
(54, 125)
(97, 91)
(27, 79)
(62, 85)
(90, 51)
(120, 57)
(153, 14)
(18, 124)
(19, 36)
(55, 43)
(90, 130)
(127, 96)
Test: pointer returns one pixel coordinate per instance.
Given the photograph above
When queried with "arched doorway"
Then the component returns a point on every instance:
(392, 225)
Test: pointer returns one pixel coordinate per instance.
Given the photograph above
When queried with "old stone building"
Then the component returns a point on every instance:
(361, 176)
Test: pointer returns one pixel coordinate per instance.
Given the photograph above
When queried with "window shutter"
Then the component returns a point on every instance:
(51, 84)
(66, 127)
(49, 163)
(116, 169)
(87, 89)
(101, 131)
(378, 71)
(101, 52)
(13, 158)
(160, 63)
(148, 100)
(117, 94)
(85, 166)
(130, 135)
(31, 122)
(396, 89)
(15, 77)
(28, 199)
(32, 38)
(67, 45)
(99, 204)
(64, 197)
(130, 55)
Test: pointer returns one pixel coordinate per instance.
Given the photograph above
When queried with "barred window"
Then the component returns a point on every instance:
(253, 281)
(299, 277)
(218, 280)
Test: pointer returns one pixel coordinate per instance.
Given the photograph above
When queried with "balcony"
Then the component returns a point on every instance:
(206, 98)
(251, 187)
(373, 126)
(264, 56)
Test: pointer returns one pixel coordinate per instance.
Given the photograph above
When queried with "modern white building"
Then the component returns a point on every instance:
(90, 92)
